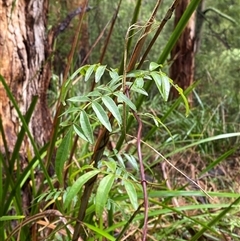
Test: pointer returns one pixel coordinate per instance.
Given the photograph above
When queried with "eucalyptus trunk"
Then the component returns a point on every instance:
(23, 51)
(182, 55)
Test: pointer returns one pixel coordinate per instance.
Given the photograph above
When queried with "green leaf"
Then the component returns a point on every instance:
(114, 74)
(165, 86)
(180, 91)
(162, 83)
(86, 126)
(82, 70)
(75, 188)
(99, 72)
(139, 82)
(62, 155)
(104, 187)
(132, 194)
(89, 72)
(112, 107)
(94, 93)
(138, 86)
(79, 132)
(126, 100)
(112, 166)
(100, 231)
(135, 73)
(154, 66)
(101, 115)
(132, 161)
(7, 218)
(79, 99)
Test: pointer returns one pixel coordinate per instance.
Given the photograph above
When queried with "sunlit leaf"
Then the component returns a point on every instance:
(126, 100)
(89, 72)
(139, 82)
(154, 66)
(132, 194)
(112, 107)
(104, 187)
(62, 155)
(79, 99)
(76, 187)
(79, 132)
(94, 93)
(135, 74)
(114, 74)
(165, 86)
(101, 115)
(111, 165)
(99, 72)
(86, 126)
(132, 161)
(139, 90)
(162, 82)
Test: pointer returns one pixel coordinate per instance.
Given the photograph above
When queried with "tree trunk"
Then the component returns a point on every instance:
(182, 55)
(23, 65)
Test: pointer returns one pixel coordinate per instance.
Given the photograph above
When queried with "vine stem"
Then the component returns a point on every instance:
(142, 172)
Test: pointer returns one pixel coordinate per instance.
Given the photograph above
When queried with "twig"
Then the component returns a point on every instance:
(159, 30)
(165, 159)
(142, 172)
(64, 24)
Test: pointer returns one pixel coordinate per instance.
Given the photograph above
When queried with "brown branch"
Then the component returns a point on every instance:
(106, 42)
(159, 30)
(65, 23)
(139, 45)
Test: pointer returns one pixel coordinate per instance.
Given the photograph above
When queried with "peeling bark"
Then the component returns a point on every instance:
(182, 55)
(23, 65)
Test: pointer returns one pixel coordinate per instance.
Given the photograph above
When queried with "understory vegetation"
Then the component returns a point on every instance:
(128, 163)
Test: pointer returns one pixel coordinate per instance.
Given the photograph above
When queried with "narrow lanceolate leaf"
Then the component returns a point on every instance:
(76, 187)
(161, 84)
(89, 72)
(79, 132)
(100, 231)
(79, 99)
(112, 107)
(86, 126)
(7, 218)
(165, 86)
(104, 187)
(132, 161)
(99, 72)
(132, 194)
(126, 100)
(62, 155)
(101, 115)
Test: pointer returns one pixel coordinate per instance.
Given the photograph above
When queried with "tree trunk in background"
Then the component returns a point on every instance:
(182, 55)
(23, 46)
